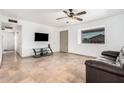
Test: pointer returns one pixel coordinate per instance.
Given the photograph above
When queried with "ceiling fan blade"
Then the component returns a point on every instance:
(81, 13)
(79, 19)
(60, 18)
(66, 12)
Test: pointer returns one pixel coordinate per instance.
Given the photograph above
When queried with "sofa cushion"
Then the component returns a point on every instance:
(112, 54)
(120, 58)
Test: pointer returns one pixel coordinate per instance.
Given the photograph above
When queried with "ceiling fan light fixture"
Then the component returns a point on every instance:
(72, 16)
(70, 20)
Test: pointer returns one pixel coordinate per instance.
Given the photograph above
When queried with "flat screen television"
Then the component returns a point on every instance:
(41, 37)
(96, 35)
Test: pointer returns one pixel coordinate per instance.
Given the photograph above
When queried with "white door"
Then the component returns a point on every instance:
(64, 41)
(8, 41)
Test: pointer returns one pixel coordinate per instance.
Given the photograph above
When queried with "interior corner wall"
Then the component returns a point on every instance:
(0, 44)
(18, 39)
(114, 36)
(28, 33)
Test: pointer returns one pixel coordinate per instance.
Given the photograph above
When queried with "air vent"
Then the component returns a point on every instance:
(7, 27)
(12, 21)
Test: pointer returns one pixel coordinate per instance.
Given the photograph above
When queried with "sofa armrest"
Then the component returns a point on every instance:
(105, 67)
(113, 54)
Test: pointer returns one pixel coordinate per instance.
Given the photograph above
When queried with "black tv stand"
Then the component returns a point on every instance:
(40, 52)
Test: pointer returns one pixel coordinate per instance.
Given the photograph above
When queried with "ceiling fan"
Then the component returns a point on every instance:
(71, 14)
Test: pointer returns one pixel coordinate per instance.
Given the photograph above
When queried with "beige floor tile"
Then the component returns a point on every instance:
(58, 68)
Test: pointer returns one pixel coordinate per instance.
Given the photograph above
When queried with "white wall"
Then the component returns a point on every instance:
(26, 37)
(0, 43)
(18, 39)
(17, 28)
(28, 43)
(114, 36)
(0, 46)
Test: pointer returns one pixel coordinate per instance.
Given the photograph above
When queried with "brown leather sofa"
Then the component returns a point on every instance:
(104, 72)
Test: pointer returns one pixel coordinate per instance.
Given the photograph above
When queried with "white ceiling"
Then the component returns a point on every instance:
(48, 16)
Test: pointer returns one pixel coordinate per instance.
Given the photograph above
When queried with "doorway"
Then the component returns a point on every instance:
(11, 38)
(8, 41)
(64, 41)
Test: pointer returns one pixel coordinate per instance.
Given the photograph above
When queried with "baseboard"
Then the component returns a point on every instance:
(25, 56)
(81, 55)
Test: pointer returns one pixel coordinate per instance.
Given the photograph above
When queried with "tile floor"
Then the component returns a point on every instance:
(58, 68)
